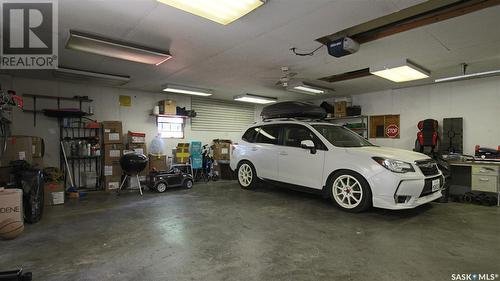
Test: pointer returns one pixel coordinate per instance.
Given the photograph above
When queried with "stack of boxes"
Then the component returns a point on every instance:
(136, 142)
(113, 150)
(222, 153)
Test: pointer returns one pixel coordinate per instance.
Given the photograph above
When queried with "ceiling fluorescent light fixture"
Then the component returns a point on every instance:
(78, 74)
(306, 89)
(187, 90)
(469, 76)
(220, 11)
(255, 99)
(98, 45)
(401, 71)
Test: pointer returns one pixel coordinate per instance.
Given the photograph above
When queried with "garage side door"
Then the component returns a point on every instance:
(219, 115)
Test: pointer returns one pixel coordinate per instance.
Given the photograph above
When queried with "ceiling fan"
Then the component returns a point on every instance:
(286, 77)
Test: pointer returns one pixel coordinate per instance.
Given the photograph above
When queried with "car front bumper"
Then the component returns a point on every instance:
(400, 191)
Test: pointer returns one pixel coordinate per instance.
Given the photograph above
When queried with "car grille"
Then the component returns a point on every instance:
(428, 167)
(428, 186)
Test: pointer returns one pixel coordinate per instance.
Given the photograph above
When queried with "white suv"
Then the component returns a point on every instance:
(336, 162)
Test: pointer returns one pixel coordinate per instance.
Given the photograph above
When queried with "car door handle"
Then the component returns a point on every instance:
(254, 149)
(283, 153)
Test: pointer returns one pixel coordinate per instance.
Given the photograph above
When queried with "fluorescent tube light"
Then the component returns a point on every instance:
(220, 11)
(98, 45)
(255, 99)
(83, 75)
(469, 76)
(308, 89)
(401, 71)
(187, 90)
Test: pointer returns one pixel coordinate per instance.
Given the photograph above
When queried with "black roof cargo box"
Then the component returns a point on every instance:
(293, 109)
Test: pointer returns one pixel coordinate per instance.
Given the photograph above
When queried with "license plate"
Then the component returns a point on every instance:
(435, 185)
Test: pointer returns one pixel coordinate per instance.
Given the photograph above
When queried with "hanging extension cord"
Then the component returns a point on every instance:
(294, 51)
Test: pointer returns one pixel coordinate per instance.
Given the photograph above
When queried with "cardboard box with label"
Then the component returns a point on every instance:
(112, 170)
(221, 149)
(53, 193)
(157, 162)
(168, 107)
(11, 204)
(111, 184)
(136, 138)
(18, 148)
(112, 132)
(112, 152)
(138, 148)
(340, 109)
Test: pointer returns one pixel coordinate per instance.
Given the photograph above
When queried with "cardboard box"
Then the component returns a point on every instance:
(182, 153)
(158, 162)
(112, 170)
(52, 193)
(222, 149)
(168, 107)
(18, 148)
(111, 184)
(340, 109)
(11, 204)
(112, 131)
(136, 138)
(112, 153)
(138, 147)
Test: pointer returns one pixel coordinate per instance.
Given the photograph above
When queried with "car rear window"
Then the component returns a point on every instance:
(268, 134)
(250, 134)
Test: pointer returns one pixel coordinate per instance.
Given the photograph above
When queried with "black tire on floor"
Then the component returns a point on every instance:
(247, 177)
(358, 183)
(188, 184)
(161, 187)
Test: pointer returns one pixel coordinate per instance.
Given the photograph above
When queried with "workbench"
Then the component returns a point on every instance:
(482, 176)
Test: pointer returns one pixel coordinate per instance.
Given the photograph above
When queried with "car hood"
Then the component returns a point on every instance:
(388, 152)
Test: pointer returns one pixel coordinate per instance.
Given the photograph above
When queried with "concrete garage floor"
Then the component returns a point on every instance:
(217, 231)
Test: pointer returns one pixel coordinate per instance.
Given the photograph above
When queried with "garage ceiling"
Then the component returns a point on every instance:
(241, 57)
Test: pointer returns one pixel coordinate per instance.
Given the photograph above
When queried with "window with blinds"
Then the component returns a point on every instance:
(220, 115)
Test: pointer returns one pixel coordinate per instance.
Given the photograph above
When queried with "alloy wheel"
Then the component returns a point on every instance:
(347, 191)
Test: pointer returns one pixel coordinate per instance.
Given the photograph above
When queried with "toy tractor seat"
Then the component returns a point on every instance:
(427, 137)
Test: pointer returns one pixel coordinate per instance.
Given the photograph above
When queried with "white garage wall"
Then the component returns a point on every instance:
(477, 101)
(106, 107)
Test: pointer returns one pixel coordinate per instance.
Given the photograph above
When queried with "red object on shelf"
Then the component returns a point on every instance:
(135, 134)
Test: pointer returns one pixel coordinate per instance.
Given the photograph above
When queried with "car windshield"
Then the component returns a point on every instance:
(341, 137)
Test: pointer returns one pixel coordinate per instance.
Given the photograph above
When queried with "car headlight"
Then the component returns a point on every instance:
(395, 166)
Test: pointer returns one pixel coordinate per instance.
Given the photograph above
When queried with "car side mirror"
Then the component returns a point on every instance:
(308, 144)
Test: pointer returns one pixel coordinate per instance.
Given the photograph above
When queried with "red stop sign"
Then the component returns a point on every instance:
(392, 131)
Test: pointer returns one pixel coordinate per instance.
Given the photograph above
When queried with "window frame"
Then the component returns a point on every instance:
(158, 122)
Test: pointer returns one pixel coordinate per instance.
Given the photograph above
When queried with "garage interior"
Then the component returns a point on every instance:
(116, 144)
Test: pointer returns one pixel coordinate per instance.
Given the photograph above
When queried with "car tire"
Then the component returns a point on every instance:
(349, 191)
(247, 177)
(161, 187)
(188, 184)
